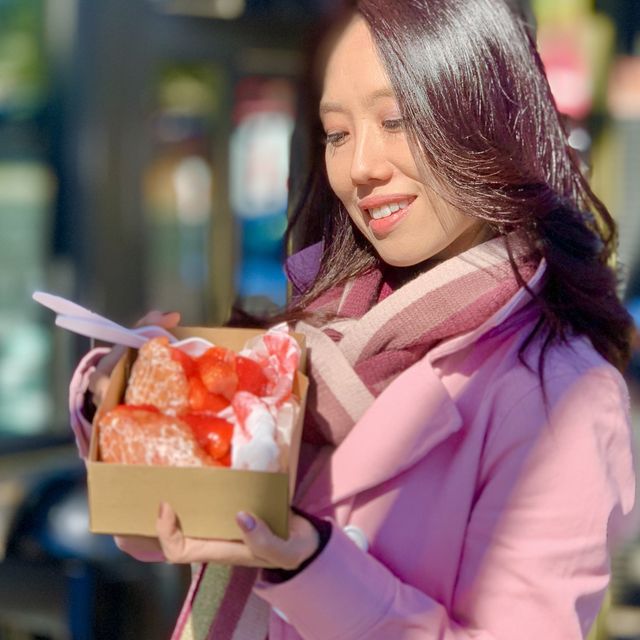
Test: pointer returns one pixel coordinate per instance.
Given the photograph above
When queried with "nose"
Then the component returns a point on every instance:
(369, 162)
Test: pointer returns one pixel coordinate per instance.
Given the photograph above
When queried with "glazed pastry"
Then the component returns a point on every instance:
(157, 378)
(143, 435)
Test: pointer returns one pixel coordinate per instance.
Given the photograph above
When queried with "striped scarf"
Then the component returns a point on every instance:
(377, 333)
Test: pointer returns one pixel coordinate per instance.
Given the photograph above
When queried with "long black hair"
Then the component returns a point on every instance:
(479, 113)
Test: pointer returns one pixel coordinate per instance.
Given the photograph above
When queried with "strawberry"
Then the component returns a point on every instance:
(212, 434)
(188, 363)
(217, 369)
(201, 400)
(251, 377)
(218, 353)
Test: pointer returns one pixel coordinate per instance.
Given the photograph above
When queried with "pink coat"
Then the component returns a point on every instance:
(482, 517)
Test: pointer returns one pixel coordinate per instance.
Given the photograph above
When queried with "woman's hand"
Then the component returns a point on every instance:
(141, 548)
(261, 548)
(99, 379)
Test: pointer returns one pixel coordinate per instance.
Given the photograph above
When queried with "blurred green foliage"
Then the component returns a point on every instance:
(22, 61)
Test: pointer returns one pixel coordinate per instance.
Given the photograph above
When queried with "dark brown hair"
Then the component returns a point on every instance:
(479, 111)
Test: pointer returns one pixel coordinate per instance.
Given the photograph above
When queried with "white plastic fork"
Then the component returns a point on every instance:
(74, 317)
(64, 307)
(108, 332)
(117, 334)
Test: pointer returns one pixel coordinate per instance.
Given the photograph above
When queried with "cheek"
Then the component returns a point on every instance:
(406, 163)
(454, 223)
(337, 173)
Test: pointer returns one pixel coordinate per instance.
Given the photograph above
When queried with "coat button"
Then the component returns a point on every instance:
(357, 536)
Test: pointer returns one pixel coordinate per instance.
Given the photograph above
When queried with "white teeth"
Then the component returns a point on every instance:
(388, 209)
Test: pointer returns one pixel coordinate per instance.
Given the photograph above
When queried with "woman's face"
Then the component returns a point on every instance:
(370, 165)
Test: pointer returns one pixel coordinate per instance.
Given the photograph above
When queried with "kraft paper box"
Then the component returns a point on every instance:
(124, 498)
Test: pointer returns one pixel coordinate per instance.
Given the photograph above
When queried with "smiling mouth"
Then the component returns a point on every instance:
(383, 219)
(386, 210)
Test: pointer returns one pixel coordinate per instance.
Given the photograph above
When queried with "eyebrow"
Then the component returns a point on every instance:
(371, 99)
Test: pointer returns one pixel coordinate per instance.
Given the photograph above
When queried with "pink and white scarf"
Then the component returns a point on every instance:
(377, 332)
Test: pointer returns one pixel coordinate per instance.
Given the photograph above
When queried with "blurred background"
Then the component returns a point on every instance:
(144, 161)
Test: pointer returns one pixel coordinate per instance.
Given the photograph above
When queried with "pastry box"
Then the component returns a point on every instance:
(124, 498)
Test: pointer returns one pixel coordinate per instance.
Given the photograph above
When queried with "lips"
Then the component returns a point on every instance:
(385, 212)
(375, 202)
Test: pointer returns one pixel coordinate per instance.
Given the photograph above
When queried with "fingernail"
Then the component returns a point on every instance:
(245, 521)
(161, 509)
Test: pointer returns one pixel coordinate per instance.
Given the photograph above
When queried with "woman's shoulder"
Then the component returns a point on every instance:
(562, 364)
(511, 372)
(572, 387)
(514, 353)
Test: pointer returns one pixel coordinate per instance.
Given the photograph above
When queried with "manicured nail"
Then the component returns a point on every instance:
(245, 521)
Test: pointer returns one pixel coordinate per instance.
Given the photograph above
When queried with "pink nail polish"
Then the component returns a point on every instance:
(245, 521)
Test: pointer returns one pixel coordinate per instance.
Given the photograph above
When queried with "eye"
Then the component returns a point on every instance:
(393, 124)
(336, 138)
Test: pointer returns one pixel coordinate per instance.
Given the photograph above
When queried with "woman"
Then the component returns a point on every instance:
(467, 425)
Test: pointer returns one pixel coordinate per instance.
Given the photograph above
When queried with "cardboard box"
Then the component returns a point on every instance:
(124, 498)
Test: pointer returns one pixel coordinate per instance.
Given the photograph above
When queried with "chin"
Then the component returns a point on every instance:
(402, 261)
(398, 263)
(405, 258)
(414, 255)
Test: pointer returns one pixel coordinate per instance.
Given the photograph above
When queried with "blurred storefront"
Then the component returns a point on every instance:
(590, 51)
(144, 156)
(143, 164)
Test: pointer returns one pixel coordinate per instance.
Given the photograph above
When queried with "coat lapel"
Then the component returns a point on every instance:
(409, 418)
